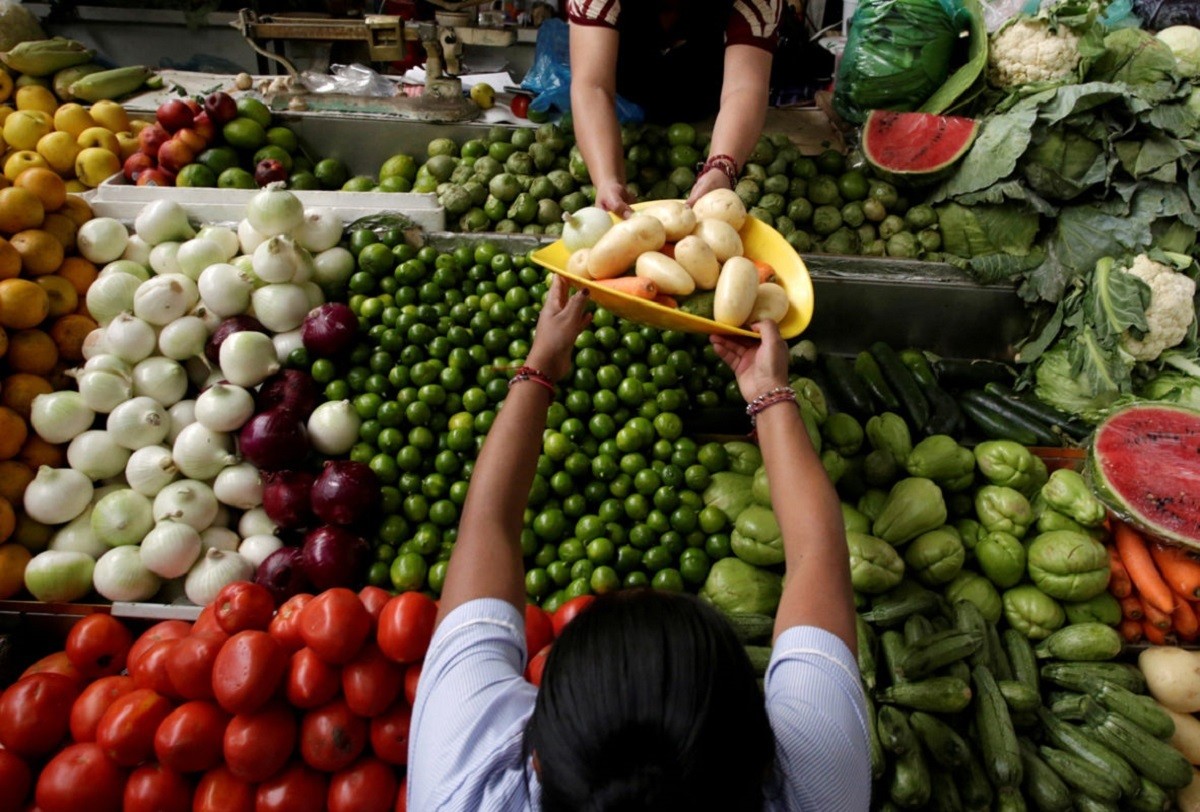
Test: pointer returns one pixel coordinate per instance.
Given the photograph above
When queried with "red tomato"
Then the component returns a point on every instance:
(126, 730)
(334, 625)
(368, 786)
(80, 777)
(311, 682)
(155, 788)
(248, 671)
(150, 670)
(244, 606)
(258, 745)
(191, 738)
(520, 105)
(296, 789)
(93, 702)
(539, 629)
(16, 780)
(35, 714)
(206, 623)
(389, 734)
(331, 737)
(285, 626)
(98, 644)
(406, 626)
(190, 661)
(402, 795)
(371, 682)
(166, 630)
(411, 677)
(374, 599)
(568, 611)
(56, 663)
(537, 666)
(219, 791)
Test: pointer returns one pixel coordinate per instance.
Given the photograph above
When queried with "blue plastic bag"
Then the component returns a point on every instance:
(550, 75)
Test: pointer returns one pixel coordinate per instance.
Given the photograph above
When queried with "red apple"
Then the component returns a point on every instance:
(204, 127)
(174, 115)
(136, 164)
(151, 138)
(221, 108)
(194, 106)
(175, 155)
(193, 139)
(156, 177)
(269, 170)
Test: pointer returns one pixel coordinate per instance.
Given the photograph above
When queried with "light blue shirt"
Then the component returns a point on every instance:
(465, 746)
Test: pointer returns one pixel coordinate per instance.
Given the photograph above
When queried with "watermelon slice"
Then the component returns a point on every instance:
(1145, 465)
(916, 147)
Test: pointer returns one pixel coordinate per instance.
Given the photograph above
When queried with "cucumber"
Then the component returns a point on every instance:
(760, 658)
(1021, 659)
(946, 416)
(935, 694)
(878, 757)
(866, 652)
(1076, 740)
(974, 787)
(997, 738)
(847, 388)
(936, 651)
(918, 365)
(892, 651)
(944, 797)
(1028, 428)
(751, 627)
(1150, 797)
(868, 371)
(1042, 784)
(1081, 642)
(994, 425)
(1034, 409)
(911, 786)
(1143, 711)
(1153, 758)
(972, 372)
(1080, 676)
(903, 384)
(946, 747)
(894, 732)
(916, 628)
(1019, 696)
(1083, 776)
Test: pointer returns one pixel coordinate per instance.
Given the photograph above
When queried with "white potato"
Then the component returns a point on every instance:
(1173, 677)
(667, 274)
(721, 237)
(737, 290)
(770, 304)
(698, 260)
(721, 204)
(578, 263)
(622, 244)
(678, 220)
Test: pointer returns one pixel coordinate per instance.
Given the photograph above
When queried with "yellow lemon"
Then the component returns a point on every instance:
(94, 164)
(483, 95)
(5, 109)
(110, 115)
(22, 159)
(128, 143)
(36, 97)
(60, 150)
(24, 128)
(99, 137)
(73, 118)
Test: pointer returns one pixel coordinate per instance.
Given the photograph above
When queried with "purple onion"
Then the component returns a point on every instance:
(231, 325)
(287, 498)
(291, 389)
(329, 329)
(283, 573)
(274, 440)
(345, 492)
(333, 556)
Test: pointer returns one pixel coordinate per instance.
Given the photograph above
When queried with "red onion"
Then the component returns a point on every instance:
(333, 556)
(345, 492)
(291, 389)
(283, 573)
(287, 498)
(273, 440)
(329, 330)
(231, 325)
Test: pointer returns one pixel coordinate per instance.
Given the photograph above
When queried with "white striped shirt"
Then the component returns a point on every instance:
(465, 747)
(751, 22)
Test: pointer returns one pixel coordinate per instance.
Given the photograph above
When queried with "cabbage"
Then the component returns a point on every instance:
(1135, 57)
(1184, 42)
(1087, 390)
(1173, 387)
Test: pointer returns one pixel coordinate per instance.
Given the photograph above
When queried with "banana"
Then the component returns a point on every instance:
(68, 76)
(46, 56)
(110, 84)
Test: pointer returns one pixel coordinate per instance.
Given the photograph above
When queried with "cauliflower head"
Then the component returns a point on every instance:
(1029, 50)
(1171, 310)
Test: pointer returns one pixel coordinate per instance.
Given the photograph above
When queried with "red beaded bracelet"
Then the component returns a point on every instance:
(780, 394)
(724, 163)
(528, 373)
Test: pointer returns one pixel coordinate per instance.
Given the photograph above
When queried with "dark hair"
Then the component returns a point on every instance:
(649, 702)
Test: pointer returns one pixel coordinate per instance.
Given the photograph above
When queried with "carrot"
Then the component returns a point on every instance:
(1118, 578)
(666, 301)
(1152, 615)
(1154, 634)
(1131, 607)
(1187, 625)
(1145, 576)
(765, 272)
(1179, 568)
(630, 285)
(1131, 630)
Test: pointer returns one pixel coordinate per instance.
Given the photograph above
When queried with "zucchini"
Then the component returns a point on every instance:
(895, 606)
(974, 787)
(916, 628)
(1153, 758)
(1010, 800)
(892, 650)
(760, 658)
(1080, 774)
(1000, 667)
(751, 627)
(993, 425)
(1143, 711)
(918, 365)
(1150, 797)
(866, 652)
(848, 388)
(1019, 696)
(894, 732)
(1042, 784)
(1085, 803)
(878, 757)
(946, 416)
(1080, 676)
(1076, 740)
(1034, 409)
(1035, 428)
(1021, 659)
(998, 739)
(1081, 642)
(960, 669)
(903, 384)
(868, 371)
(935, 694)
(911, 786)
(944, 797)
(936, 651)
(1072, 707)
(968, 618)
(946, 747)
(972, 372)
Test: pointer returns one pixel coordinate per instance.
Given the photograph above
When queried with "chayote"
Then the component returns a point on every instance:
(735, 586)
(1032, 612)
(760, 488)
(970, 531)
(936, 557)
(1006, 463)
(1050, 519)
(940, 458)
(1068, 565)
(1104, 608)
(889, 432)
(843, 433)
(809, 392)
(834, 465)
(812, 424)
(871, 503)
(756, 538)
(914, 506)
(1001, 558)
(854, 520)
(1068, 493)
(1004, 509)
(744, 458)
(881, 469)
(970, 586)
(730, 492)
(875, 566)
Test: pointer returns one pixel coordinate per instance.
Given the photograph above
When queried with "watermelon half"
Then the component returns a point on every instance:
(916, 147)
(1145, 465)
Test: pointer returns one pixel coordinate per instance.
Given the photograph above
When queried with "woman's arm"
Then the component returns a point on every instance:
(594, 108)
(486, 562)
(817, 590)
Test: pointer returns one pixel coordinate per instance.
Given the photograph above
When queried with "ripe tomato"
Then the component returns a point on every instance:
(248, 671)
(155, 788)
(80, 777)
(150, 670)
(206, 623)
(406, 626)
(56, 663)
(334, 625)
(374, 599)
(520, 105)
(389, 734)
(257, 745)
(35, 714)
(191, 738)
(98, 644)
(93, 702)
(189, 664)
(331, 737)
(537, 666)
(411, 677)
(16, 780)
(285, 626)
(402, 796)
(126, 730)
(539, 629)
(296, 789)
(244, 606)
(371, 682)
(219, 791)
(311, 682)
(569, 610)
(166, 630)
(367, 786)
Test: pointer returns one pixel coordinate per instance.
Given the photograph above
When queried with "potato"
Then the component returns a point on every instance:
(622, 244)
(1173, 677)
(578, 263)
(721, 237)
(698, 260)
(1186, 738)
(721, 204)
(667, 274)
(677, 219)
(770, 304)
(1188, 798)
(737, 290)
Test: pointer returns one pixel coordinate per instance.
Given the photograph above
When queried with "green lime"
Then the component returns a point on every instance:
(359, 183)
(284, 138)
(303, 181)
(668, 579)
(441, 146)
(694, 565)
(196, 175)
(408, 572)
(395, 183)
(331, 173)
(853, 185)
(236, 178)
(681, 134)
(683, 155)
(244, 133)
(218, 159)
(254, 110)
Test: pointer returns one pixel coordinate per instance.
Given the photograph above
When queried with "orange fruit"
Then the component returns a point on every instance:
(31, 534)
(15, 477)
(13, 560)
(20, 209)
(46, 184)
(63, 298)
(22, 304)
(13, 433)
(10, 260)
(32, 351)
(69, 332)
(81, 273)
(62, 228)
(8, 523)
(41, 252)
(77, 209)
(19, 391)
(3, 342)
(36, 452)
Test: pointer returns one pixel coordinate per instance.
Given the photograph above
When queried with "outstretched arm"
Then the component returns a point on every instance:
(594, 108)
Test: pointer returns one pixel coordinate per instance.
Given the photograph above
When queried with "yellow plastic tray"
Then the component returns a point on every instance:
(759, 241)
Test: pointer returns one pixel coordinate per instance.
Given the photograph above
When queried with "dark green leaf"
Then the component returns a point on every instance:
(1115, 301)
(1032, 350)
(994, 155)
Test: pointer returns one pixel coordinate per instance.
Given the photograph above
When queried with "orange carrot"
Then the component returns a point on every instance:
(630, 285)
(1131, 630)
(666, 301)
(1179, 568)
(1131, 607)
(1145, 576)
(1184, 619)
(1118, 578)
(765, 272)
(1152, 615)
(1154, 634)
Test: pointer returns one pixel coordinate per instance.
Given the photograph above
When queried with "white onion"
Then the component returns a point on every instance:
(239, 486)
(182, 414)
(223, 236)
(160, 378)
(187, 501)
(224, 407)
(220, 538)
(139, 270)
(59, 417)
(211, 320)
(248, 358)
(286, 344)
(275, 211)
(199, 371)
(223, 517)
(277, 260)
(333, 268)
(137, 250)
(57, 495)
(304, 269)
(248, 238)
(77, 536)
(129, 338)
(316, 296)
(255, 549)
(320, 230)
(245, 264)
(163, 220)
(103, 390)
(225, 289)
(110, 295)
(212, 573)
(333, 427)
(108, 362)
(101, 239)
(150, 469)
(120, 575)
(196, 255)
(93, 344)
(170, 549)
(256, 522)
(122, 517)
(201, 453)
(139, 422)
(281, 307)
(183, 338)
(165, 298)
(97, 455)
(164, 258)
(59, 575)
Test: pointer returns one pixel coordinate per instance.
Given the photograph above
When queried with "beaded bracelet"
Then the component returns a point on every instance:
(725, 163)
(780, 394)
(528, 373)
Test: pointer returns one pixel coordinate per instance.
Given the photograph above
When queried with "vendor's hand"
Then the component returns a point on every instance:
(712, 179)
(614, 196)
(563, 317)
(758, 365)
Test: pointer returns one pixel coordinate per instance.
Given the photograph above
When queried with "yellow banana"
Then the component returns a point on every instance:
(46, 56)
(110, 84)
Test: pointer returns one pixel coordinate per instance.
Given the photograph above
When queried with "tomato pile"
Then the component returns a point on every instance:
(250, 708)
